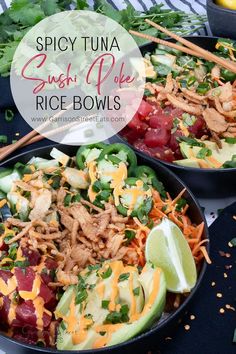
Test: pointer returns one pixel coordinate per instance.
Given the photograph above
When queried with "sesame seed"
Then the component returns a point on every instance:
(219, 295)
(222, 310)
(225, 275)
(227, 255)
(230, 307)
(187, 327)
(192, 317)
(17, 134)
(213, 283)
(230, 244)
(228, 266)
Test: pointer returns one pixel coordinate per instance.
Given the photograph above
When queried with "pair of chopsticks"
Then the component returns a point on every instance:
(188, 48)
(33, 136)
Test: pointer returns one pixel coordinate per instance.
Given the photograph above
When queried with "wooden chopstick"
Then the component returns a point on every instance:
(39, 137)
(163, 42)
(228, 64)
(11, 148)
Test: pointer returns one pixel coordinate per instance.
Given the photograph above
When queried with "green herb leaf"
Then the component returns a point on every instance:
(123, 277)
(82, 285)
(136, 291)
(147, 93)
(81, 297)
(82, 4)
(93, 267)
(21, 264)
(9, 115)
(8, 237)
(97, 186)
(114, 159)
(107, 273)
(118, 317)
(203, 88)
(113, 318)
(188, 120)
(191, 80)
(190, 141)
(12, 252)
(203, 153)
(233, 242)
(231, 163)
(129, 235)
(56, 182)
(181, 203)
(16, 298)
(175, 125)
(150, 223)
(3, 139)
(105, 304)
(67, 200)
(63, 326)
(230, 140)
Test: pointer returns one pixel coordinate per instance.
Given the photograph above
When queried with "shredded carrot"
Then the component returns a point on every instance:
(205, 254)
(167, 208)
(174, 201)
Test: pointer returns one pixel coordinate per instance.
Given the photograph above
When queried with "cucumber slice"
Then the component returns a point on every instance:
(7, 180)
(41, 163)
(5, 172)
(64, 303)
(165, 59)
(60, 156)
(19, 205)
(78, 179)
(169, 50)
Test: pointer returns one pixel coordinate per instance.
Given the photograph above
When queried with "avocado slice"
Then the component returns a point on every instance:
(187, 163)
(150, 73)
(217, 158)
(141, 296)
(154, 312)
(19, 205)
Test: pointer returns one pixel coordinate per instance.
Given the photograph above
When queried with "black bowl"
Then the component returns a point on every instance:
(221, 20)
(142, 342)
(204, 183)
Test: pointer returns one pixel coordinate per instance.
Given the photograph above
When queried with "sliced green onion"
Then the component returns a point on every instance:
(9, 115)
(3, 139)
(203, 88)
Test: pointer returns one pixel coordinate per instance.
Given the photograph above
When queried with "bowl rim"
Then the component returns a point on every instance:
(213, 5)
(165, 321)
(171, 164)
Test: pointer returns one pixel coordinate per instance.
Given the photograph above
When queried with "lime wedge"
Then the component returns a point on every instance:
(167, 248)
